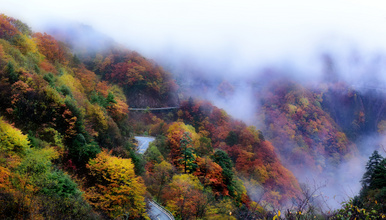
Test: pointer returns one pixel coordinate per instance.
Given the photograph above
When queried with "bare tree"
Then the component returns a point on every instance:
(310, 198)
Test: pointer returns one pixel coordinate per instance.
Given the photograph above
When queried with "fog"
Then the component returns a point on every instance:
(243, 32)
(343, 182)
(240, 42)
(225, 38)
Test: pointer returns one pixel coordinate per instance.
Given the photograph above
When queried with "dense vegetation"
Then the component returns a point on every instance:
(371, 201)
(67, 149)
(301, 130)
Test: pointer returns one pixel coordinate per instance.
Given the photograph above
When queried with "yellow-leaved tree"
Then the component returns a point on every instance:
(185, 197)
(116, 189)
(12, 139)
(12, 142)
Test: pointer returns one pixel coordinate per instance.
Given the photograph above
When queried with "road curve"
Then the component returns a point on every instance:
(143, 143)
(156, 212)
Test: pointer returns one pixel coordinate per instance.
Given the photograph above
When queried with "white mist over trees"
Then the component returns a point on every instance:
(240, 46)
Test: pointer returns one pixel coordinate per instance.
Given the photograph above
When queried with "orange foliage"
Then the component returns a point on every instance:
(103, 88)
(87, 78)
(253, 156)
(7, 30)
(46, 66)
(70, 120)
(128, 69)
(158, 126)
(301, 129)
(184, 195)
(210, 173)
(118, 110)
(1, 51)
(174, 139)
(19, 89)
(106, 62)
(4, 177)
(51, 48)
(126, 73)
(174, 135)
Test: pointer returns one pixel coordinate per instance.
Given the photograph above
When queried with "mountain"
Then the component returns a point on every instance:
(305, 135)
(68, 121)
(322, 127)
(358, 111)
(67, 138)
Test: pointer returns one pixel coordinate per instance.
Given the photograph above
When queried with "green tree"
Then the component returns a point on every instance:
(225, 162)
(77, 112)
(204, 147)
(374, 161)
(232, 138)
(379, 176)
(163, 147)
(10, 69)
(81, 151)
(110, 100)
(371, 201)
(138, 161)
(60, 184)
(152, 154)
(187, 152)
(234, 185)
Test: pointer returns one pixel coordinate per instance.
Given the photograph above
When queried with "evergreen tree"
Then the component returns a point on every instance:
(188, 156)
(13, 76)
(223, 159)
(374, 160)
(373, 193)
(232, 138)
(110, 100)
(379, 176)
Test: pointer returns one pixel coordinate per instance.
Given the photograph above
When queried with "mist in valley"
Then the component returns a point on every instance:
(228, 53)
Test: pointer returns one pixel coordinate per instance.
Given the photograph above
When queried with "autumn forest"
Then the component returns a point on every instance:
(68, 147)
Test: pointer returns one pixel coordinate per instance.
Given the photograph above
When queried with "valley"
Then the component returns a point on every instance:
(96, 130)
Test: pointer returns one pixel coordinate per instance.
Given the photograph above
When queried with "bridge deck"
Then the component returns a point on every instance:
(152, 109)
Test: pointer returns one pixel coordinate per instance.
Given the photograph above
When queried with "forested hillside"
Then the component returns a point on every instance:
(306, 136)
(67, 147)
(58, 120)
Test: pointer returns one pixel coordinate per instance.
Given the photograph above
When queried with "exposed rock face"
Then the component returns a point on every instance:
(358, 112)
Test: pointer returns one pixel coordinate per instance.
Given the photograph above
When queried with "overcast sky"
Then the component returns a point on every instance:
(242, 31)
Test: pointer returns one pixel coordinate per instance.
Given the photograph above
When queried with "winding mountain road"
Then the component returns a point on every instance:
(143, 143)
(156, 212)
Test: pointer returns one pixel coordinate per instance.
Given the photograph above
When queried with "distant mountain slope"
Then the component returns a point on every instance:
(66, 139)
(358, 111)
(305, 136)
(145, 83)
(254, 157)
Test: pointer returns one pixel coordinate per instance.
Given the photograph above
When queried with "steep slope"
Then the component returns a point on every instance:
(305, 136)
(254, 157)
(66, 139)
(358, 111)
(145, 83)
(68, 114)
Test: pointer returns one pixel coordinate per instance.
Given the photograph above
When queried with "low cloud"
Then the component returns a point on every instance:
(206, 43)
